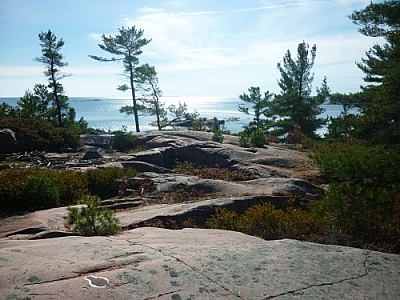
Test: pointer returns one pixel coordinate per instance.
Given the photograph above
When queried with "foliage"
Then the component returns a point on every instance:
(267, 222)
(181, 112)
(92, 219)
(363, 195)
(41, 191)
(260, 106)
(124, 141)
(217, 131)
(258, 138)
(295, 106)
(71, 184)
(8, 111)
(53, 60)
(255, 137)
(34, 104)
(126, 45)
(204, 172)
(379, 101)
(149, 101)
(255, 132)
(244, 139)
(35, 134)
(104, 182)
(30, 189)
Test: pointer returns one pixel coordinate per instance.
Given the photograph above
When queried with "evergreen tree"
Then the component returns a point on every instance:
(126, 46)
(147, 86)
(53, 60)
(380, 100)
(34, 104)
(259, 107)
(294, 107)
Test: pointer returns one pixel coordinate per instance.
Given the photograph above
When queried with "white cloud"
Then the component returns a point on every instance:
(18, 71)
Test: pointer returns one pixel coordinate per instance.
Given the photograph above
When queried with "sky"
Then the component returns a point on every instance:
(200, 48)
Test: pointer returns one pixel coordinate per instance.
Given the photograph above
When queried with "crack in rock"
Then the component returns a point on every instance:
(163, 294)
(192, 268)
(84, 273)
(325, 283)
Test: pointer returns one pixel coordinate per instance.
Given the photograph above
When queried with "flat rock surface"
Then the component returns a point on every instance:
(153, 263)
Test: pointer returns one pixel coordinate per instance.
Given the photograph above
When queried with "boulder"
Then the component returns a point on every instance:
(8, 142)
(91, 154)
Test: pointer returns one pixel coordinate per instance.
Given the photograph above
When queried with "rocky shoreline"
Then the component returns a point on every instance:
(274, 173)
(41, 259)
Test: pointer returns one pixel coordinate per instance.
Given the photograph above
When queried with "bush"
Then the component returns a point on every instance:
(204, 172)
(40, 192)
(72, 186)
(363, 196)
(93, 219)
(258, 138)
(30, 189)
(267, 222)
(105, 182)
(124, 141)
(244, 139)
(35, 134)
(217, 131)
(254, 137)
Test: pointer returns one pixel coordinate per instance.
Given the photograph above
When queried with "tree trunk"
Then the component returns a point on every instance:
(135, 110)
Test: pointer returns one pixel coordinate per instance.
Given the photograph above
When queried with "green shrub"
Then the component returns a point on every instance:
(72, 186)
(124, 141)
(217, 131)
(104, 182)
(363, 198)
(258, 138)
(367, 213)
(29, 189)
(267, 222)
(92, 219)
(40, 192)
(35, 134)
(12, 185)
(244, 139)
(204, 172)
(255, 138)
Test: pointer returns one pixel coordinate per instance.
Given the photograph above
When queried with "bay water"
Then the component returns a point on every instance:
(103, 113)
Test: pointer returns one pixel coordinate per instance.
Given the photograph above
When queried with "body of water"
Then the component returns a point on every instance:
(104, 113)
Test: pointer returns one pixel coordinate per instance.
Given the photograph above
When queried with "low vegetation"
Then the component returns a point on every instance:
(92, 219)
(32, 189)
(270, 223)
(205, 172)
(36, 134)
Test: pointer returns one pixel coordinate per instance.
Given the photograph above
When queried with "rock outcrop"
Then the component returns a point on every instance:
(40, 259)
(152, 263)
(8, 142)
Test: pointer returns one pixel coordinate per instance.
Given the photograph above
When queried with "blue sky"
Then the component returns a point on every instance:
(199, 47)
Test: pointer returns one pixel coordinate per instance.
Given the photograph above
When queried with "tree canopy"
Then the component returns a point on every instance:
(379, 101)
(294, 107)
(53, 60)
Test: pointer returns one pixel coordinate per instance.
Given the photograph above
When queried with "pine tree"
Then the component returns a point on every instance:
(126, 46)
(380, 101)
(294, 107)
(53, 60)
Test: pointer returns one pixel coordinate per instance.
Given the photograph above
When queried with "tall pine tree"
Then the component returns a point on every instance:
(294, 107)
(53, 60)
(380, 100)
(126, 46)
